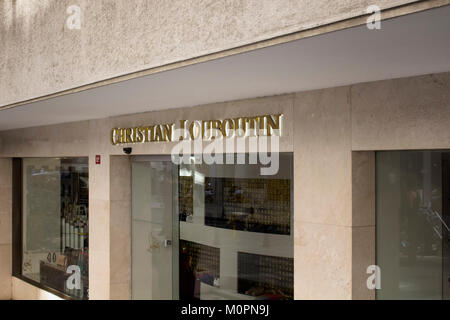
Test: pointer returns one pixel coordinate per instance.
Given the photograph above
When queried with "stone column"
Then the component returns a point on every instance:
(323, 195)
(99, 228)
(5, 228)
(120, 228)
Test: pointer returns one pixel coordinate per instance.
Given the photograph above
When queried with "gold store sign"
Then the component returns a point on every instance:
(264, 125)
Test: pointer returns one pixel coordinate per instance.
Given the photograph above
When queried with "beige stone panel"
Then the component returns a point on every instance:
(322, 157)
(5, 200)
(99, 219)
(5, 271)
(99, 254)
(119, 37)
(62, 140)
(99, 179)
(363, 188)
(120, 169)
(99, 275)
(5, 229)
(363, 256)
(120, 221)
(120, 242)
(25, 291)
(407, 113)
(5, 172)
(13, 144)
(322, 261)
(99, 135)
(120, 291)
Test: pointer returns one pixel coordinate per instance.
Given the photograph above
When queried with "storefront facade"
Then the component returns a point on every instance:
(336, 191)
(332, 141)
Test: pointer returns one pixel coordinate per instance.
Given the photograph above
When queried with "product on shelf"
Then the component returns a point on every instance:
(255, 205)
(265, 277)
(186, 197)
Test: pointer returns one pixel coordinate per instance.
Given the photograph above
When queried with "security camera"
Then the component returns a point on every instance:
(127, 150)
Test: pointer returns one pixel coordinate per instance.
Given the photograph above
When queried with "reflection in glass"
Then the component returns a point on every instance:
(256, 205)
(152, 233)
(411, 224)
(235, 231)
(259, 274)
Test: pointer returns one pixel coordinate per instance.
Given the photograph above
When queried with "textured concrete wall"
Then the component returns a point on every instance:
(40, 55)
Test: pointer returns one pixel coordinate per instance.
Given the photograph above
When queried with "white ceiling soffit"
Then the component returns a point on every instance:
(405, 46)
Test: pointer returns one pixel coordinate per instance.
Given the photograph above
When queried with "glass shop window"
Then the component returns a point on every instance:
(236, 231)
(55, 224)
(413, 219)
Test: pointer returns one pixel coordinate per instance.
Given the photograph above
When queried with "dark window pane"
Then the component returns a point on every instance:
(410, 228)
(236, 240)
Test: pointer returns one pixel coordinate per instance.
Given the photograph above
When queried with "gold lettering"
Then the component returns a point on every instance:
(141, 134)
(167, 132)
(144, 134)
(135, 134)
(240, 125)
(121, 135)
(113, 136)
(273, 124)
(158, 133)
(216, 128)
(228, 131)
(183, 129)
(262, 125)
(206, 128)
(128, 135)
(252, 123)
(195, 134)
(151, 133)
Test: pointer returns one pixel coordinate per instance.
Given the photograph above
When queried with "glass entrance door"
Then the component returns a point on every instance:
(154, 240)
(212, 231)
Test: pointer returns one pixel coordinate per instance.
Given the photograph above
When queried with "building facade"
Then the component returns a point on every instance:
(92, 186)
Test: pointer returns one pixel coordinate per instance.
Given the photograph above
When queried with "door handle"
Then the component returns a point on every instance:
(167, 243)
